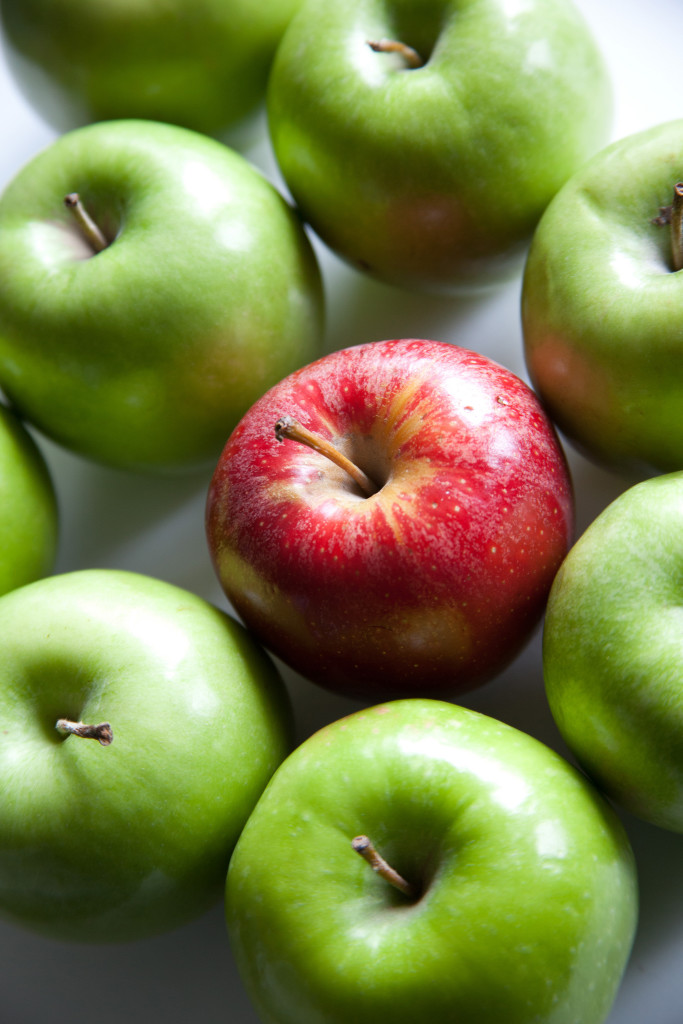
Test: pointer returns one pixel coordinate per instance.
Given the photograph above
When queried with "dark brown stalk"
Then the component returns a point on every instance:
(102, 733)
(363, 846)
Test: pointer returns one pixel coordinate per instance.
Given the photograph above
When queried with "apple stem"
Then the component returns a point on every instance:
(673, 215)
(102, 733)
(677, 227)
(89, 228)
(287, 427)
(411, 56)
(363, 846)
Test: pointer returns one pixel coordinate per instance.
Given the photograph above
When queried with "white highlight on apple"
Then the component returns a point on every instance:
(208, 189)
(507, 789)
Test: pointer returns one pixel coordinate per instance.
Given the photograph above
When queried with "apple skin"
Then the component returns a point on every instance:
(613, 651)
(203, 65)
(528, 889)
(435, 582)
(145, 355)
(600, 307)
(29, 516)
(104, 844)
(434, 178)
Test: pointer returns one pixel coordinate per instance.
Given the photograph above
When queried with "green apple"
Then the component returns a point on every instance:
(199, 63)
(29, 520)
(131, 835)
(503, 891)
(613, 650)
(206, 292)
(422, 140)
(601, 305)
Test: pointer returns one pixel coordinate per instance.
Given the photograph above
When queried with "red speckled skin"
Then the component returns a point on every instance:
(431, 585)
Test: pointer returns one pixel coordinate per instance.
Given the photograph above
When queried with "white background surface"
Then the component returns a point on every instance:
(155, 526)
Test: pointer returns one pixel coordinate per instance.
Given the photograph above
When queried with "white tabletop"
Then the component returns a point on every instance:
(155, 526)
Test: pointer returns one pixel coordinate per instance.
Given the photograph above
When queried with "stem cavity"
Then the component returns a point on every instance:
(363, 846)
(89, 229)
(287, 427)
(410, 56)
(102, 733)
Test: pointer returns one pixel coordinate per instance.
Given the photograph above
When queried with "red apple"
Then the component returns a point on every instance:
(433, 582)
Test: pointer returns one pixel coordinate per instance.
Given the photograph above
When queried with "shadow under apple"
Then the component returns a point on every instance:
(145, 523)
(362, 308)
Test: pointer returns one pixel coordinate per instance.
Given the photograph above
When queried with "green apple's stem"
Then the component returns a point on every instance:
(363, 846)
(287, 427)
(677, 227)
(410, 56)
(89, 228)
(673, 215)
(102, 732)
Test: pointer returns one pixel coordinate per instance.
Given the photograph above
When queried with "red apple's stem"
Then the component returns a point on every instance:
(102, 732)
(677, 227)
(89, 228)
(287, 427)
(363, 846)
(410, 56)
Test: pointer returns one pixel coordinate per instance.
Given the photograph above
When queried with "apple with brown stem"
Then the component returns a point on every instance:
(503, 888)
(425, 568)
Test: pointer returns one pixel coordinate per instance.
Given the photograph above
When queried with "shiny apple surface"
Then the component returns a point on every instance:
(433, 582)
(145, 353)
(130, 836)
(119, 519)
(520, 873)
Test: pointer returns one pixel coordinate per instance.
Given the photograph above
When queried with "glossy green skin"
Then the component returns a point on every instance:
(119, 842)
(434, 178)
(529, 902)
(613, 650)
(29, 518)
(147, 354)
(601, 306)
(202, 64)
